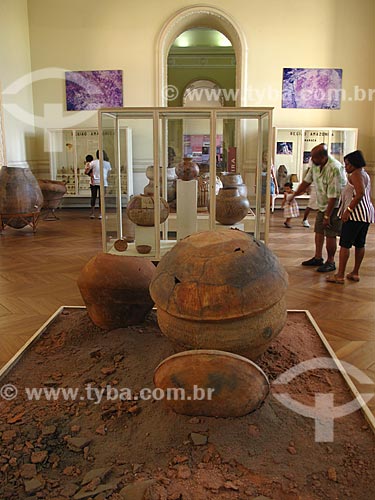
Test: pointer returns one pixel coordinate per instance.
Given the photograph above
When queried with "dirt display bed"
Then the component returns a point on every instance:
(83, 448)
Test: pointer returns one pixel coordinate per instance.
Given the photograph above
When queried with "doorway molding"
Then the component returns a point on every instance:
(202, 16)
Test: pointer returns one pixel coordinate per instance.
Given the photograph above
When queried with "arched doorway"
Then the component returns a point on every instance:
(203, 17)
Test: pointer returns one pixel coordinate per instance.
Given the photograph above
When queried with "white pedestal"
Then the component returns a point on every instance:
(145, 235)
(186, 209)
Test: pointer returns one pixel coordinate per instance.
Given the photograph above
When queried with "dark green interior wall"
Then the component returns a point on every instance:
(222, 71)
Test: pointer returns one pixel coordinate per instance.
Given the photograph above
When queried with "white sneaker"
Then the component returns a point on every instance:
(305, 223)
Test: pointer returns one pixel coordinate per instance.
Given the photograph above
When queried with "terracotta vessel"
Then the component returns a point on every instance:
(187, 170)
(171, 183)
(220, 290)
(143, 249)
(121, 245)
(231, 207)
(233, 179)
(204, 189)
(115, 289)
(233, 385)
(19, 194)
(53, 192)
(140, 210)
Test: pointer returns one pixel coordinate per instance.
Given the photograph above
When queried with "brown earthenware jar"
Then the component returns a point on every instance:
(187, 170)
(141, 209)
(231, 207)
(19, 194)
(171, 182)
(53, 192)
(115, 289)
(220, 290)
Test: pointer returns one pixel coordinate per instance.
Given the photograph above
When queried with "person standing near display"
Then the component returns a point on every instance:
(357, 213)
(274, 187)
(329, 178)
(94, 168)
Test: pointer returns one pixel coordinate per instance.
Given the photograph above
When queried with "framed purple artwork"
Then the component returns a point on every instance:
(312, 88)
(87, 90)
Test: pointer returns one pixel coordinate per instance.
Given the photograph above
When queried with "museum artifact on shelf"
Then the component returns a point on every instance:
(231, 206)
(21, 198)
(171, 182)
(187, 169)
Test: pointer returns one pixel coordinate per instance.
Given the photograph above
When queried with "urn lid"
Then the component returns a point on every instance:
(233, 385)
(218, 275)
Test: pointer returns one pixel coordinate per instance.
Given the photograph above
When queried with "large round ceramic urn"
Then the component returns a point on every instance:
(19, 194)
(115, 289)
(141, 210)
(220, 290)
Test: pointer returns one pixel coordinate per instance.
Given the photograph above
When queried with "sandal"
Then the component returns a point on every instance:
(352, 277)
(334, 279)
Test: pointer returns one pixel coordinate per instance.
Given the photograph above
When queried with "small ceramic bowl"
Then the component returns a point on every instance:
(143, 249)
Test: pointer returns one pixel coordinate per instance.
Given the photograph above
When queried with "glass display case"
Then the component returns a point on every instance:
(292, 146)
(153, 136)
(69, 148)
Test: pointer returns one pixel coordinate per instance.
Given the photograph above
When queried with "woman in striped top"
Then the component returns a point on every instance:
(357, 213)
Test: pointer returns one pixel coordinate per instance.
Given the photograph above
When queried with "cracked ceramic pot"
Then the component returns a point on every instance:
(231, 207)
(220, 290)
(141, 209)
(115, 290)
(53, 192)
(19, 194)
(187, 170)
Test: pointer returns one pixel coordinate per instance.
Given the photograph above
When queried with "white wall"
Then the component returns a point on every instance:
(122, 34)
(14, 64)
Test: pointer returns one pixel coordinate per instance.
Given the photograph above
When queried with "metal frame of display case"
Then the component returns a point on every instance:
(160, 117)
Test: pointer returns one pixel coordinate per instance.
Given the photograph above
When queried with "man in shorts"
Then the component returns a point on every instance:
(329, 178)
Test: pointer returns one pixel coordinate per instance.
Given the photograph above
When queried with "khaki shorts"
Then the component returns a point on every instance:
(333, 230)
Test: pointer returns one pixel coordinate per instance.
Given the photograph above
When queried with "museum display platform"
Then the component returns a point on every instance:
(79, 446)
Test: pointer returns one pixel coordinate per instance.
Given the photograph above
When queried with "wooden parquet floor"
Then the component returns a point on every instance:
(38, 274)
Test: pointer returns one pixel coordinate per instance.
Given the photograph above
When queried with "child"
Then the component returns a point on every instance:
(290, 207)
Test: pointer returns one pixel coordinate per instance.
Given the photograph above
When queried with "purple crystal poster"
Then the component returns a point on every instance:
(312, 88)
(87, 90)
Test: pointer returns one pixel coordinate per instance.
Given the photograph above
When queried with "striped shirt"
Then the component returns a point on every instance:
(364, 211)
